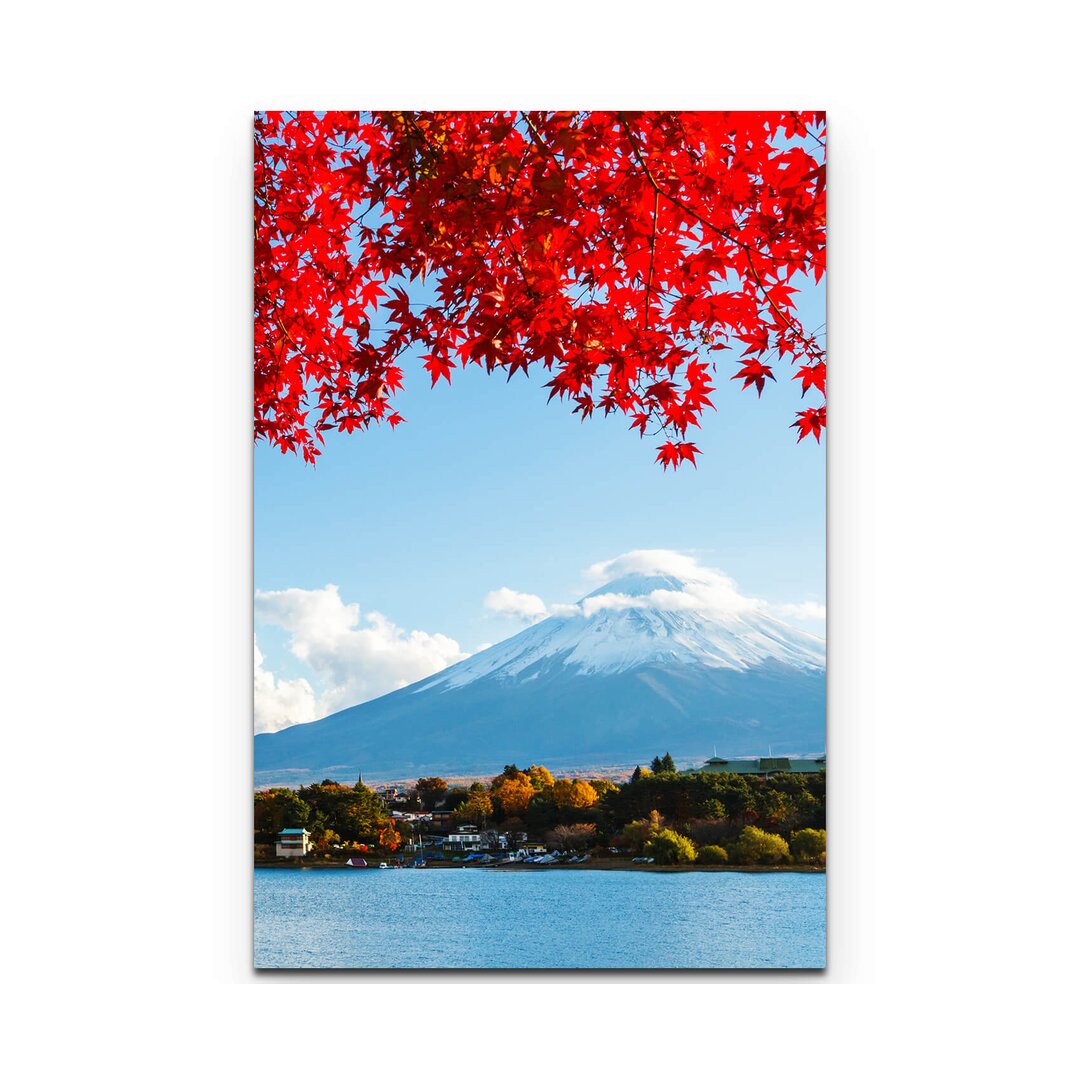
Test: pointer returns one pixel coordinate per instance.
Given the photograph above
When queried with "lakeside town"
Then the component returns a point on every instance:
(745, 813)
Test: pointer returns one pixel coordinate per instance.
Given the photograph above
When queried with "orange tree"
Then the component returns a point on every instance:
(625, 254)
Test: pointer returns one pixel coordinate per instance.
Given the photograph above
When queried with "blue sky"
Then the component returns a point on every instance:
(488, 485)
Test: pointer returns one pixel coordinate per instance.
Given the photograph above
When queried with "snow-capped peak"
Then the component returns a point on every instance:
(641, 619)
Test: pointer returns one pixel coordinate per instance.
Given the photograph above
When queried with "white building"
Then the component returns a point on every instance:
(292, 843)
(463, 838)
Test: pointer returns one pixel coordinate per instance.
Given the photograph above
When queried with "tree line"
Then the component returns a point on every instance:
(659, 813)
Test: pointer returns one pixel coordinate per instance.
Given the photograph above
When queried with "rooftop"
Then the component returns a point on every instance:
(763, 765)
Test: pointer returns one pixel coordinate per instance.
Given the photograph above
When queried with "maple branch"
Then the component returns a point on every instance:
(811, 346)
(727, 236)
(806, 128)
(517, 258)
(683, 206)
(536, 136)
(652, 254)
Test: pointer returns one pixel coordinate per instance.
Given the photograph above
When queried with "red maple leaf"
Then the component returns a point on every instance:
(812, 375)
(810, 422)
(754, 373)
(610, 249)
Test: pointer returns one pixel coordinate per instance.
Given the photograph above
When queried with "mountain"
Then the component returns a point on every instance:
(645, 664)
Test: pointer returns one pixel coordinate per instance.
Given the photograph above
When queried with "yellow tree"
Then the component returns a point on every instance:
(540, 777)
(475, 810)
(576, 793)
(514, 795)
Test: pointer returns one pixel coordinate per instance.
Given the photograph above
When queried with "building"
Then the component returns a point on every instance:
(765, 766)
(463, 838)
(293, 843)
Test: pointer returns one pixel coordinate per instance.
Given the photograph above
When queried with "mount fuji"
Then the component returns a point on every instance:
(647, 663)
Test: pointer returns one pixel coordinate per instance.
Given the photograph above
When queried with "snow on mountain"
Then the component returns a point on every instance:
(644, 664)
(636, 620)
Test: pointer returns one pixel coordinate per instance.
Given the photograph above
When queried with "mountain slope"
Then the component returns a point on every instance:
(645, 664)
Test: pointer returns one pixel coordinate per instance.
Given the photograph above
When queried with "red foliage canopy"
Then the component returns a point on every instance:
(615, 250)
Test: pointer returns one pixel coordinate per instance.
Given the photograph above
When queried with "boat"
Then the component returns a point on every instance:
(357, 864)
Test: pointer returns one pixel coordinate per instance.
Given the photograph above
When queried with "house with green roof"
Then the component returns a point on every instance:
(293, 843)
(765, 766)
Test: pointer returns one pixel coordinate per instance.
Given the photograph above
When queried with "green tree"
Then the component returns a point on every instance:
(669, 848)
(638, 833)
(808, 845)
(277, 809)
(541, 813)
(712, 855)
(708, 831)
(323, 839)
(431, 790)
(755, 847)
(776, 808)
(602, 786)
(355, 813)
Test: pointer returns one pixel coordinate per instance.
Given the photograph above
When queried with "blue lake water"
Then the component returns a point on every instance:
(543, 919)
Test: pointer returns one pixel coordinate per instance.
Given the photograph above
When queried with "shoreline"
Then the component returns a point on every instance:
(597, 865)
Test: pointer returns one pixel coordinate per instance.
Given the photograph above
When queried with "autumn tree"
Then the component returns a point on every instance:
(633, 257)
(540, 777)
(388, 839)
(510, 772)
(573, 837)
(573, 793)
(513, 795)
(475, 810)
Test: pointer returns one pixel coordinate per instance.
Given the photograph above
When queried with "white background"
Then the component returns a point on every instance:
(952, 576)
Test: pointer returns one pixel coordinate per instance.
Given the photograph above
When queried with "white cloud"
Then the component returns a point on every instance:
(705, 590)
(650, 561)
(564, 611)
(517, 605)
(808, 609)
(280, 703)
(356, 657)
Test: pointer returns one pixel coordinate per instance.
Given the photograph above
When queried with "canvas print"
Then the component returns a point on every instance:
(539, 611)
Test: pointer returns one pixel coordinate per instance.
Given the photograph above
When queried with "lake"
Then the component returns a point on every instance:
(474, 918)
